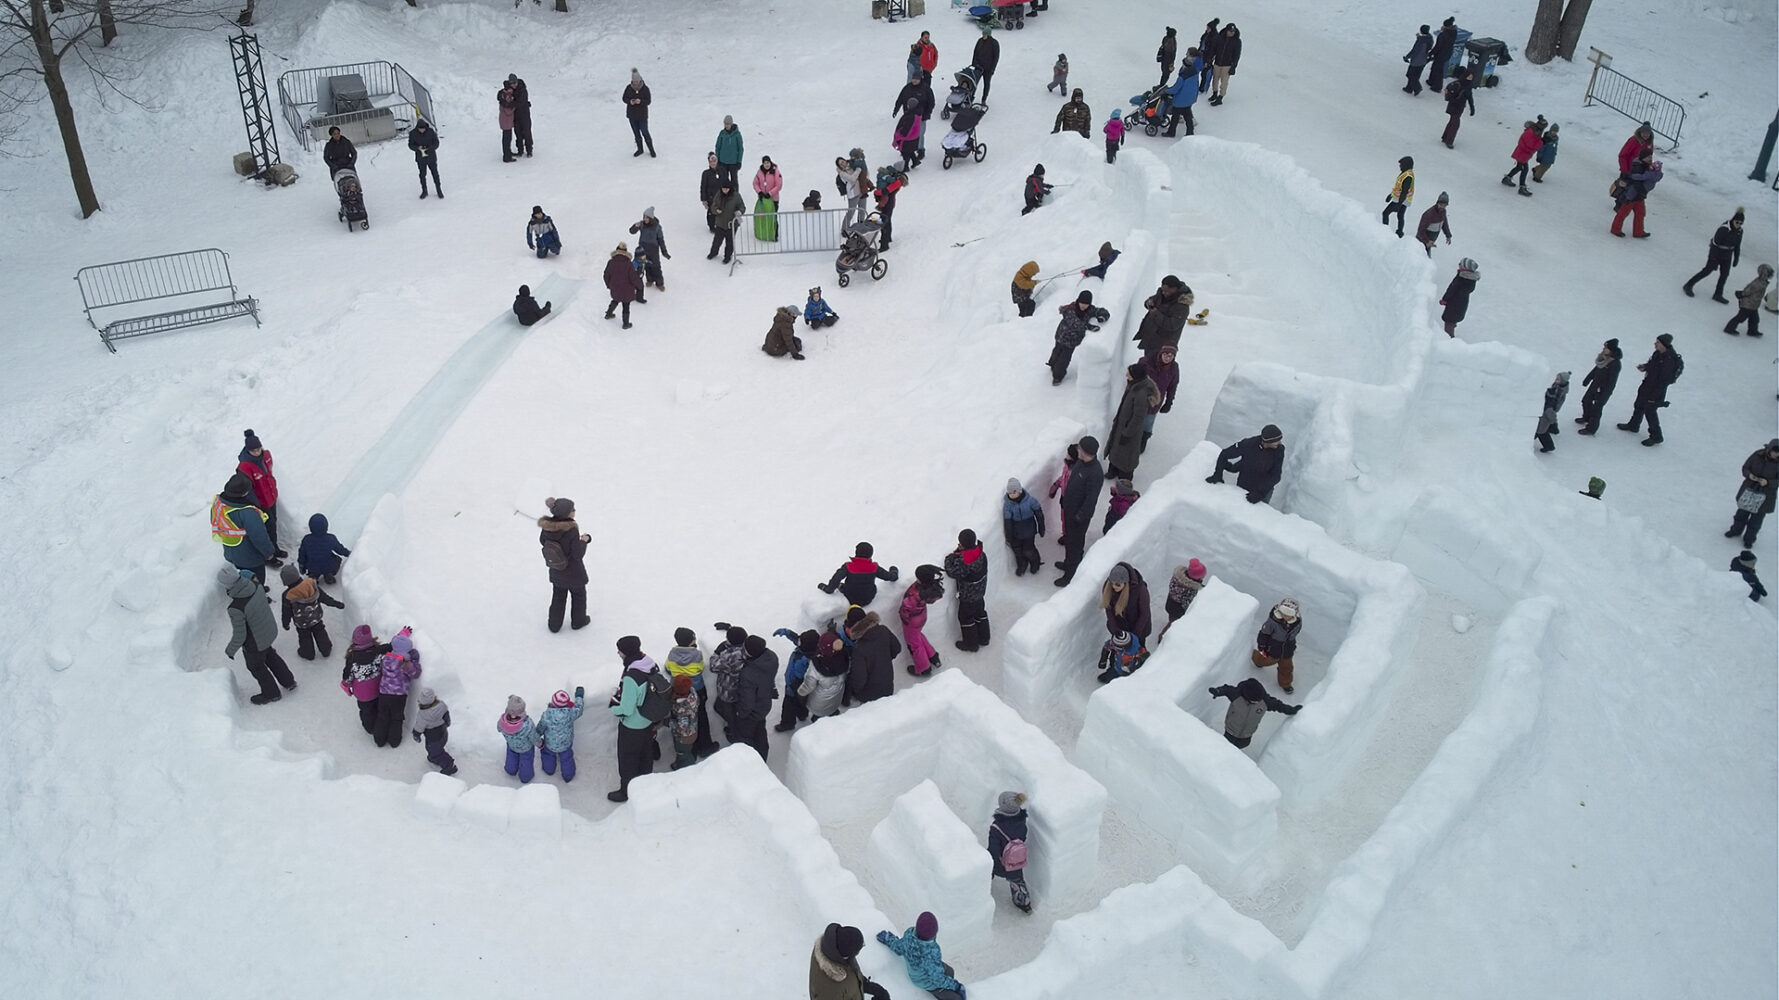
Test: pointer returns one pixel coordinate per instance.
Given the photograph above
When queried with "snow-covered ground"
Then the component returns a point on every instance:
(1583, 808)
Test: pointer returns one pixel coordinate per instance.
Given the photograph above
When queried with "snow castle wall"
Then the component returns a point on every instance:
(974, 747)
(925, 858)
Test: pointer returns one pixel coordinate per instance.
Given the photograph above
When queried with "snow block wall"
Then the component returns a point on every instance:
(974, 747)
(925, 858)
(1454, 546)
(1175, 773)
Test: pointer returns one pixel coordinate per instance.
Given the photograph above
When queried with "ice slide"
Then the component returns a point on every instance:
(388, 465)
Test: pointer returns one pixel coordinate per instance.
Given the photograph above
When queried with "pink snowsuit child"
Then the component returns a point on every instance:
(361, 676)
(1114, 136)
(926, 589)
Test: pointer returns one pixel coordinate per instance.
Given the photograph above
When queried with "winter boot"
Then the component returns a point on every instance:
(441, 193)
(1506, 181)
(423, 192)
(1688, 289)
(638, 149)
(982, 631)
(1524, 190)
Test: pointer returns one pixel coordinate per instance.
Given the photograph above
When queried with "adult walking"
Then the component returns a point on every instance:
(624, 283)
(985, 58)
(1227, 53)
(1258, 463)
(1402, 193)
(1530, 142)
(1748, 302)
(1633, 197)
(1459, 94)
(1075, 115)
(521, 116)
(339, 153)
(1182, 95)
(1659, 372)
(636, 734)
(1599, 382)
(565, 551)
(1443, 44)
(1079, 500)
(636, 111)
(729, 149)
(1165, 316)
(1754, 498)
(1419, 52)
(1124, 444)
(1724, 252)
(240, 527)
(255, 462)
(424, 141)
(254, 630)
(1165, 54)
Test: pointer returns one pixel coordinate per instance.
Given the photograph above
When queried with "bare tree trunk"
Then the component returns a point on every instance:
(1545, 23)
(107, 23)
(245, 18)
(58, 98)
(1573, 18)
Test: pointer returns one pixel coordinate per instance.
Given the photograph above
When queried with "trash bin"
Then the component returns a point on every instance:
(349, 93)
(1457, 59)
(1485, 55)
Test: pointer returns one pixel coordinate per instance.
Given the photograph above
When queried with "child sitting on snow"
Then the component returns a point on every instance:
(817, 312)
(1122, 654)
(1248, 704)
(1743, 564)
(1123, 495)
(541, 235)
(1007, 846)
(920, 952)
(320, 554)
(1187, 581)
(683, 722)
(1107, 257)
(433, 725)
(303, 598)
(857, 577)
(556, 732)
(520, 734)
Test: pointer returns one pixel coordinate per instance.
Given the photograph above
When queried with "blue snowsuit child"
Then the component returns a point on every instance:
(521, 735)
(795, 708)
(540, 234)
(817, 312)
(920, 952)
(556, 732)
(320, 554)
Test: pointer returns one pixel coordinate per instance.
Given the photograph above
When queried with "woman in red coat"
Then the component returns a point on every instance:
(1531, 140)
(1640, 142)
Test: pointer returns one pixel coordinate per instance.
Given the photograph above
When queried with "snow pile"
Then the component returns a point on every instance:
(925, 858)
(974, 747)
(1175, 773)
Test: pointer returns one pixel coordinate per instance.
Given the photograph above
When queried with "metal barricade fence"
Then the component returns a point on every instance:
(796, 231)
(1636, 102)
(300, 89)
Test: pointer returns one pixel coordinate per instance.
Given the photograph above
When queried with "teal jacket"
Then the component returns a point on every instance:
(729, 146)
(630, 694)
(522, 741)
(925, 968)
(556, 725)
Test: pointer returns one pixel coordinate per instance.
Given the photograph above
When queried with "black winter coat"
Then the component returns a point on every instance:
(636, 112)
(1600, 382)
(1457, 299)
(1260, 468)
(1459, 93)
(857, 579)
(1163, 323)
(874, 652)
(566, 534)
(1135, 618)
(1082, 495)
(424, 142)
(526, 308)
(987, 55)
(757, 687)
(923, 99)
(1443, 43)
(1659, 372)
(1726, 245)
(339, 154)
(969, 567)
(1002, 829)
(708, 184)
(1228, 49)
(521, 106)
(1759, 464)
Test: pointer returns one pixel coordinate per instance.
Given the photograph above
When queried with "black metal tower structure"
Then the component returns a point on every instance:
(256, 103)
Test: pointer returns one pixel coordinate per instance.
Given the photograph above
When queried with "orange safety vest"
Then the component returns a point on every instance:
(222, 529)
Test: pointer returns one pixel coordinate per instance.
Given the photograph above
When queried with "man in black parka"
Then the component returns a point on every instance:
(1079, 500)
(1257, 462)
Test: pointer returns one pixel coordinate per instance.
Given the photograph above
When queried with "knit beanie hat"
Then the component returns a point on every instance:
(966, 539)
(753, 645)
(238, 486)
(854, 616)
(635, 77)
(728, 120)
(630, 648)
(735, 634)
(927, 572)
(1667, 339)
(524, 289)
(684, 637)
(841, 943)
(252, 440)
(1121, 639)
(1120, 574)
(428, 698)
(561, 699)
(1443, 198)
(227, 575)
(1271, 432)
(537, 210)
(362, 637)
(289, 575)
(401, 645)
(1089, 445)
(926, 926)
(1195, 570)
(863, 550)
(1014, 486)
(1009, 803)
(1596, 486)
(515, 706)
(562, 508)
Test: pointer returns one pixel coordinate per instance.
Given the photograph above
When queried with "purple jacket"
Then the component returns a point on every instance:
(397, 672)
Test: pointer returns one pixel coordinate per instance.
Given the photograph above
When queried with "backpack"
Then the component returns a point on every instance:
(657, 697)
(1012, 852)
(554, 557)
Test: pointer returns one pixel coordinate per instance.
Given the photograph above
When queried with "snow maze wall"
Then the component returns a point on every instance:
(911, 780)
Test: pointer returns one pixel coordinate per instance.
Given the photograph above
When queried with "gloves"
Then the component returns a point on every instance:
(286, 626)
(885, 937)
(579, 693)
(895, 574)
(665, 255)
(1215, 478)
(1254, 498)
(1093, 326)
(824, 588)
(1040, 532)
(1294, 709)
(1165, 407)
(1056, 130)
(416, 736)
(231, 655)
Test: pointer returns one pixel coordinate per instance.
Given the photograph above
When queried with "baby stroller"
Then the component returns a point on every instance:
(858, 251)
(1150, 112)
(351, 199)
(961, 142)
(1007, 13)
(963, 93)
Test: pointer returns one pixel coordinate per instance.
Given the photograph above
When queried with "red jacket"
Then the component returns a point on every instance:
(265, 485)
(1530, 142)
(929, 57)
(1627, 154)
